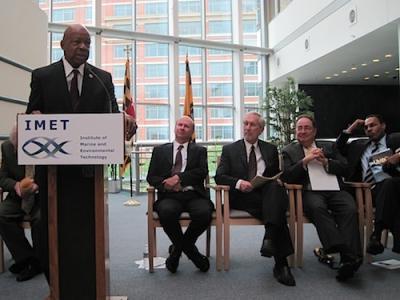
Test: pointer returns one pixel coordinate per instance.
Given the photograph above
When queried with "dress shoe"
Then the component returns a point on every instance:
(345, 271)
(284, 276)
(30, 271)
(268, 248)
(199, 260)
(172, 261)
(375, 246)
(17, 267)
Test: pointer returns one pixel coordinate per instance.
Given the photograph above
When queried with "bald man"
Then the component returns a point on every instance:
(71, 85)
(177, 170)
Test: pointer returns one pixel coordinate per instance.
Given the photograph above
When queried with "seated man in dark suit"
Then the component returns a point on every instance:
(178, 170)
(13, 210)
(240, 162)
(333, 212)
(384, 176)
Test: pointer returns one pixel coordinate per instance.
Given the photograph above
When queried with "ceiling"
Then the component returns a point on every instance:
(335, 67)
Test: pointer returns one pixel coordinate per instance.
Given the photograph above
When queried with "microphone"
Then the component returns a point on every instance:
(104, 87)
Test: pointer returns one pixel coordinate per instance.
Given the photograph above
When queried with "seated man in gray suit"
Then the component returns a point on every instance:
(13, 210)
(177, 170)
(240, 162)
(333, 212)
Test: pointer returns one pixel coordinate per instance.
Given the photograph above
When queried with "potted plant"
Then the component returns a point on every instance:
(283, 105)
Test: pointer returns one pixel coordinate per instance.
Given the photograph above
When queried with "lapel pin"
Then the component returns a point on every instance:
(90, 76)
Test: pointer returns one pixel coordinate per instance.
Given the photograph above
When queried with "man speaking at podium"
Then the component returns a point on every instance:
(71, 85)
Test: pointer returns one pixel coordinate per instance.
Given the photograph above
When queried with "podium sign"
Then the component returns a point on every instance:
(70, 139)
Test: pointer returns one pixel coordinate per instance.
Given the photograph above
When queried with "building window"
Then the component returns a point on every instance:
(249, 26)
(126, 27)
(122, 10)
(219, 6)
(189, 28)
(221, 113)
(222, 132)
(189, 7)
(118, 72)
(160, 28)
(156, 49)
(156, 112)
(63, 15)
(251, 89)
(198, 132)
(156, 70)
(157, 133)
(195, 69)
(119, 91)
(196, 90)
(250, 5)
(190, 51)
(250, 68)
(156, 9)
(220, 89)
(88, 13)
(119, 51)
(156, 91)
(56, 54)
(217, 27)
(220, 68)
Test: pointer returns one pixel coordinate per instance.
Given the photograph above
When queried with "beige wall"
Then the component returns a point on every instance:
(23, 36)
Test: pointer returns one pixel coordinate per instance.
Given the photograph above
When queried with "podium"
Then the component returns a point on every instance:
(76, 149)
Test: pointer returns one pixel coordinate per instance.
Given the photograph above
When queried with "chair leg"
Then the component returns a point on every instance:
(299, 240)
(151, 245)
(226, 245)
(385, 238)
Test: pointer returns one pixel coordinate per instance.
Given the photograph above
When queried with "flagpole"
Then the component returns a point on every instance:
(127, 107)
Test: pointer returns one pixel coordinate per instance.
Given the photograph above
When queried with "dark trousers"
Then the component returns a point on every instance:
(13, 235)
(169, 209)
(269, 204)
(334, 215)
(76, 231)
(386, 195)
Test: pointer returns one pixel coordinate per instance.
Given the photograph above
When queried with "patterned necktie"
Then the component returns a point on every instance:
(252, 163)
(176, 169)
(369, 176)
(74, 91)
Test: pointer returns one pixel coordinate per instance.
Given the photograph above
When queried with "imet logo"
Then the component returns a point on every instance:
(43, 147)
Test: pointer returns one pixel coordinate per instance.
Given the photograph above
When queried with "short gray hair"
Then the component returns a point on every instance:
(261, 120)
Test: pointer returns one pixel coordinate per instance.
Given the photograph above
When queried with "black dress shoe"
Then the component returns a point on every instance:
(284, 276)
(17, 267)
(345, 271)
(375, 246)
(172, 261)
(199, 260)
(268, 248)
(30, 271)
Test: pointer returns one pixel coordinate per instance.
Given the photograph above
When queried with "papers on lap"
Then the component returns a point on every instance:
(380, 157)
(261, 180)
(320, 180)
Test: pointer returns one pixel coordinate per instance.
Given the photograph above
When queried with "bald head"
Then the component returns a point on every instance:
(76, 44)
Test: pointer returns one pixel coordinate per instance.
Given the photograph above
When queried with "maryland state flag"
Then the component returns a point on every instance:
(130, 110)
(188, 107)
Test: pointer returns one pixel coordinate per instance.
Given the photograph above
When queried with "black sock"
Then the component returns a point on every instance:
(280, 261)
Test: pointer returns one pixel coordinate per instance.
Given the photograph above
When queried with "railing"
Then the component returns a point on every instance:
(140, 160)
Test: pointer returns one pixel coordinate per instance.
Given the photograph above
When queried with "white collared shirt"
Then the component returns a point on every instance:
(69, 74)
(183, 152)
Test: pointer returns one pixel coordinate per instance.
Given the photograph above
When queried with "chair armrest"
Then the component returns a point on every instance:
(218, 187)
(290, 186)
(358, 184)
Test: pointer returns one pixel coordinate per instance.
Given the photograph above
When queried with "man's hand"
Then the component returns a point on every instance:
(393, 159)
(356, 124)
(245, 186)
(171, 182)
(130, 126)
(315, 154)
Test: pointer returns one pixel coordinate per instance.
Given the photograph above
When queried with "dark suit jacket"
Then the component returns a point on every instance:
(354, 151)
(234, 166)
(50, 95)
(10, 171)
(195, 172)
(294, 171)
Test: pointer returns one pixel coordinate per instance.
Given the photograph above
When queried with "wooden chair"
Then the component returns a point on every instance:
(365, 217)
(153, 222)
(242, 218)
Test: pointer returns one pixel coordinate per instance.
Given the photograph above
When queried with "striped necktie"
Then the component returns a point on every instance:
(176, 169)
(369, 176)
